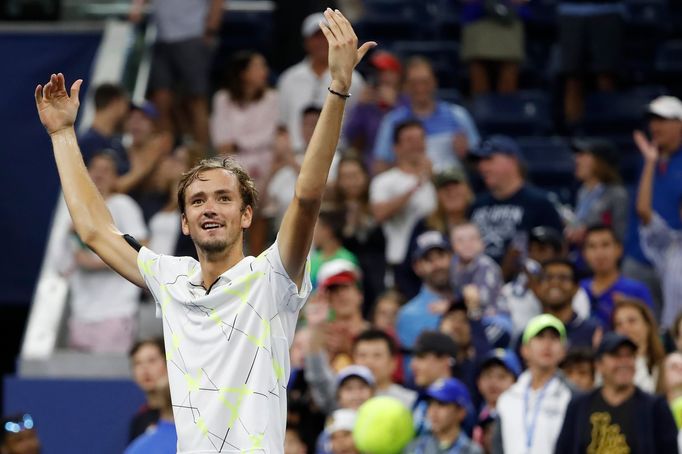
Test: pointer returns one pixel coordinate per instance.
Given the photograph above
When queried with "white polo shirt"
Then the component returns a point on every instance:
(227, 349)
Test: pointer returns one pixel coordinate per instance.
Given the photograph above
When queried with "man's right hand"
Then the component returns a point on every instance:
(56, 108)
(648, 149)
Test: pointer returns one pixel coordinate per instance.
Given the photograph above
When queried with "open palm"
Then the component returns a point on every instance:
(56, 108)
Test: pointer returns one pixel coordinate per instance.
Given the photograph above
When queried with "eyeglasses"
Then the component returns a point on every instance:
(561, 278)
(25, 423)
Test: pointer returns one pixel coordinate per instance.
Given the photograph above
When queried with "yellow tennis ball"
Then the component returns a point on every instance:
(383, 426)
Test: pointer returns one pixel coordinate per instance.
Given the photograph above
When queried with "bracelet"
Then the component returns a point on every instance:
(338, 94)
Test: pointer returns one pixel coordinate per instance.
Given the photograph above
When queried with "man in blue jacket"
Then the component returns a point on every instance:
(618, 416)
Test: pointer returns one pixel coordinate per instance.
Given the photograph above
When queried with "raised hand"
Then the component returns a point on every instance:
(56, 108)
(648, 149)
(344, 54)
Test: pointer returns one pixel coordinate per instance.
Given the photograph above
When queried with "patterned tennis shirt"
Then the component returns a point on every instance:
(227, 349)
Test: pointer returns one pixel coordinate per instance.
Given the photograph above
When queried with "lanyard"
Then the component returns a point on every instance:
(530, 428)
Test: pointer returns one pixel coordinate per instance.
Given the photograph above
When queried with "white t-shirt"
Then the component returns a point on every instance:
(227, 349)
(299, 87)
(164, 231)
(98, 295)
(389, 185)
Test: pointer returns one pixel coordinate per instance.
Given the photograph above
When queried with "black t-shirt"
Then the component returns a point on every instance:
(613, 429)
(503, 221)
(144, 418)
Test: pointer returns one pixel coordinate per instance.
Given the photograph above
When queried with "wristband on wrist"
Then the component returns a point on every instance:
(346, 96)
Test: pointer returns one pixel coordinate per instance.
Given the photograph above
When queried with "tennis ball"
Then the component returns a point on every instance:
(383, 426)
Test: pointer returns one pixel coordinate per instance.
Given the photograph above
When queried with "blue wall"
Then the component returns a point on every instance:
(76, 416)
(27, 171)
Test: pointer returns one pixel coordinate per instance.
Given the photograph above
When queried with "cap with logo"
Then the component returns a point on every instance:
(449, 391)
(427, 241)
(505, 358)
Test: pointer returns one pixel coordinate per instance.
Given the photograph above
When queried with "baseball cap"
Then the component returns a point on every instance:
(146, 107)
(434, 342)
(427, 241)
(451, 175)
(668, 107)
(498, 144)
(505, 358)
(612, 341)
(599, 148)
(385, 61)
(338, 271)
(341, 419)
(540, 323)
(449, 391)
(311, 24)
(546, 235)
(355, 370)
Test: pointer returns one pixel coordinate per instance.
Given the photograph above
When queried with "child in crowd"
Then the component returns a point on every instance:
(579, 369)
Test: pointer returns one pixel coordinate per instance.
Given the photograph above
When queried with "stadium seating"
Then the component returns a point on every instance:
(522, 113)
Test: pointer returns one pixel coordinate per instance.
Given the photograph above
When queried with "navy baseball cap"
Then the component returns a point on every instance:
(503, 357)
(612, 341)
(449, 391)
(498, 144)
(147, 107)
(427, 241)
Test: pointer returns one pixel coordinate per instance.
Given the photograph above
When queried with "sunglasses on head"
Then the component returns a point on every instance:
(16, 426)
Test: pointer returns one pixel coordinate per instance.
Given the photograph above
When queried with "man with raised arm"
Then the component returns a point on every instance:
(228, 319)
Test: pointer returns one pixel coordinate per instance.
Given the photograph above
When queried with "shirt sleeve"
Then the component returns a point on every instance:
(655, 239)
(383, 145)
(285, 293)
(464, 119)
(131, 220)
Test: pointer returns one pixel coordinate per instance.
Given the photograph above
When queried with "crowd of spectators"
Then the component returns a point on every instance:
(501, 319)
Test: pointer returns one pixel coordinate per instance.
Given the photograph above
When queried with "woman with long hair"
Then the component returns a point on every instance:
(245, 114)
(635, 320)
(362, 234)
(602, 198)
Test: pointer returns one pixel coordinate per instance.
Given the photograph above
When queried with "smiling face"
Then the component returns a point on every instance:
(557, 286)
(618, 368)
(215, 215)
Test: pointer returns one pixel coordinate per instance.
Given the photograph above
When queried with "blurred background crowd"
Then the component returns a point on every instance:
(501, 231)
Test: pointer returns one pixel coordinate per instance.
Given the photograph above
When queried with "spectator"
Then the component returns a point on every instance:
(450, 130)
(327, 243)
(472, 270)
(661, 244)
(111, 109)
(244, 118)
(378, 352)
(470, 339)
(601, 199)
(19, 436)
(671, 377)
(454, 197)
(433, 359)
(545, 243)
(579, 369)
(103, 304)
(617, 416)
(448, 405)
(381, 95)
(633, 319)
(148, 360)
(293, 444)
(162, 437)
(431, 263)
(403, 195)
(590, 40)
(182, 54)
(147, 150)
(497, 372)
(532, 410)
(556, 292)
(306, 82)
(511, 208)
(665, 125)
(493, 38)
(340, 429)
(602, 252)
(384, 313)
(362, 234)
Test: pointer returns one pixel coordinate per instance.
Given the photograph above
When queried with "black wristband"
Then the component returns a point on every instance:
(338, 94)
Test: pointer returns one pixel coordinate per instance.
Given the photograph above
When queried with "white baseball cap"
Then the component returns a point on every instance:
(342, 419)
(668, 107)
(311, 24)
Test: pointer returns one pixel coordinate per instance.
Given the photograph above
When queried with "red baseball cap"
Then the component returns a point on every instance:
(338, 271)
(385, 61)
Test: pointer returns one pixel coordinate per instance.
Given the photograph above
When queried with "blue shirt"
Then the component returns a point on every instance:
(415, 317)
(444, 122)
(159, 439)
(667, 195)
(91, 142)
(602, 305)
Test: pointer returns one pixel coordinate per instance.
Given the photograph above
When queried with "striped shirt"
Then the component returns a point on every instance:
(662, 245)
